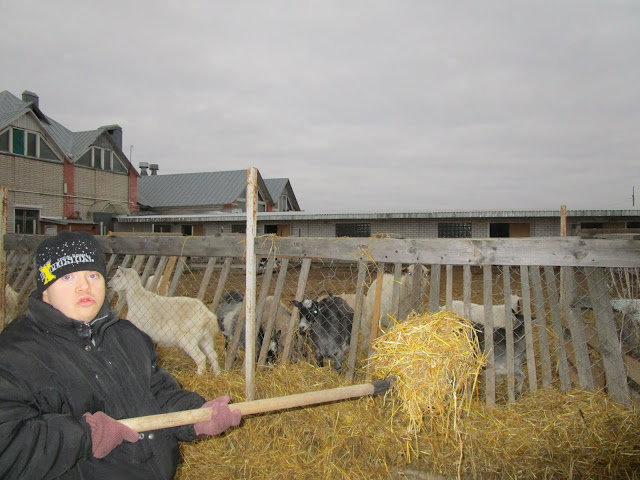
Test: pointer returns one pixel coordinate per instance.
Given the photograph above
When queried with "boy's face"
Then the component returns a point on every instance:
(78, 295)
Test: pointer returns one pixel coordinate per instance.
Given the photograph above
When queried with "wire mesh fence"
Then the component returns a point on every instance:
(543, 326)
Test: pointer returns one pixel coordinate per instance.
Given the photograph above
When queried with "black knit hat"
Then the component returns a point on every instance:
(65, 253)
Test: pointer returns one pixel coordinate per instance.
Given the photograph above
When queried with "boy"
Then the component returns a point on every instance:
(70, 367)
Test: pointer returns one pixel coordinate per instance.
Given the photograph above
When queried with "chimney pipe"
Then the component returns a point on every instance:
(153, 167)
(31, 97)
(143, 168)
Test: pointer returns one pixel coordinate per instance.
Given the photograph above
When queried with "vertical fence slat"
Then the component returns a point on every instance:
(490, 371)
(508, 329)
(541, 324)
(528, 329)
(177, 275)
(163, 281)
(466, 290)
(448, 287)
(146, 273)
(302, 285)
(222, 280)
(273, 313)
(576, 327)
(211, 264)
(375, 318)
(610, 345)
(434, 290)
(355, 328)
(556, 322)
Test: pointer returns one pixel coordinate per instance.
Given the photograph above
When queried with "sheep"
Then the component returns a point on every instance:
(229, 312)
(170, 321)
(329, 321)
(500, 349)
(477, 311)
(387, 311)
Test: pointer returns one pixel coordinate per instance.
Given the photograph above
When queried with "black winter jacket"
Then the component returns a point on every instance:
(54, 369)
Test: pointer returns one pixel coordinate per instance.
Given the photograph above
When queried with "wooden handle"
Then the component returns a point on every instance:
(187, 417)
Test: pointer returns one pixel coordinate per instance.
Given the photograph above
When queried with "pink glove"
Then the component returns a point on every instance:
(107, 433)
(221, 417)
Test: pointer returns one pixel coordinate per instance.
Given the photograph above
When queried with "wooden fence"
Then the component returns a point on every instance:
(573, 335)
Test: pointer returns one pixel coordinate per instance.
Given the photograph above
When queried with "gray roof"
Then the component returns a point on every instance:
(276, 188)
(72, 144)
(195, 189)
(359, 216)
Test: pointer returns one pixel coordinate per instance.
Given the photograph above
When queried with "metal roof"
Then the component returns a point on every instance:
(291, 216)
(72, 144)
(194, 189)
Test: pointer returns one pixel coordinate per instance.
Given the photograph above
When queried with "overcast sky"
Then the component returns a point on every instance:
(365, 105)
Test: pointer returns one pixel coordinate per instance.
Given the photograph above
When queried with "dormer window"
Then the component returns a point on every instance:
(102, 159)
(23, 142)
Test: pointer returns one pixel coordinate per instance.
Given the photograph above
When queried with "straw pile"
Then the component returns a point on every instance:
(436, 360)
(544, 435)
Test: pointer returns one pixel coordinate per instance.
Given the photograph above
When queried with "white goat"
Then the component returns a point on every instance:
(386, 308)
(477, 311)
(170, 321)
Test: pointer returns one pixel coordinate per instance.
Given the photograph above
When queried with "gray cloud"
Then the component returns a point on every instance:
(364, 105)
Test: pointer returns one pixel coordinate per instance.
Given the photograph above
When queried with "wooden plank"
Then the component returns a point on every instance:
(375, 319)
(557, 251)
(232, 347)
(508, 328)
(24, 305)
(224, 274)
(157, 274)
(449, 287)
(466, 290)
(355, 328)
(610, 346)
(541, 324)
(25, 268)
(148, 268)
(434, 290)
(163, 284)
(397, 310)
(295, 316)
(206, 278)
(528, 329)
(267, 276)
(576, 327)
(138, 262)
(271, 321)
(177, 275)
(416, 293)
(490, 372)
(556, 322)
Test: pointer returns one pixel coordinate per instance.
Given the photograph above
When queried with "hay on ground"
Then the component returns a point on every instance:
(544, 435)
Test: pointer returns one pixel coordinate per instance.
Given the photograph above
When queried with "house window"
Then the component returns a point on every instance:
(18, 141)
(284, 205)
(22, 142)
(4, 141)
(499, 230)
(45, 151)
(633, 224)
(187, 230)
(353, 229)
(161, 228)
(454, 230)
(591, 225)
(239, 228)
(26, 221)
(271, 229)
(102, 159)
